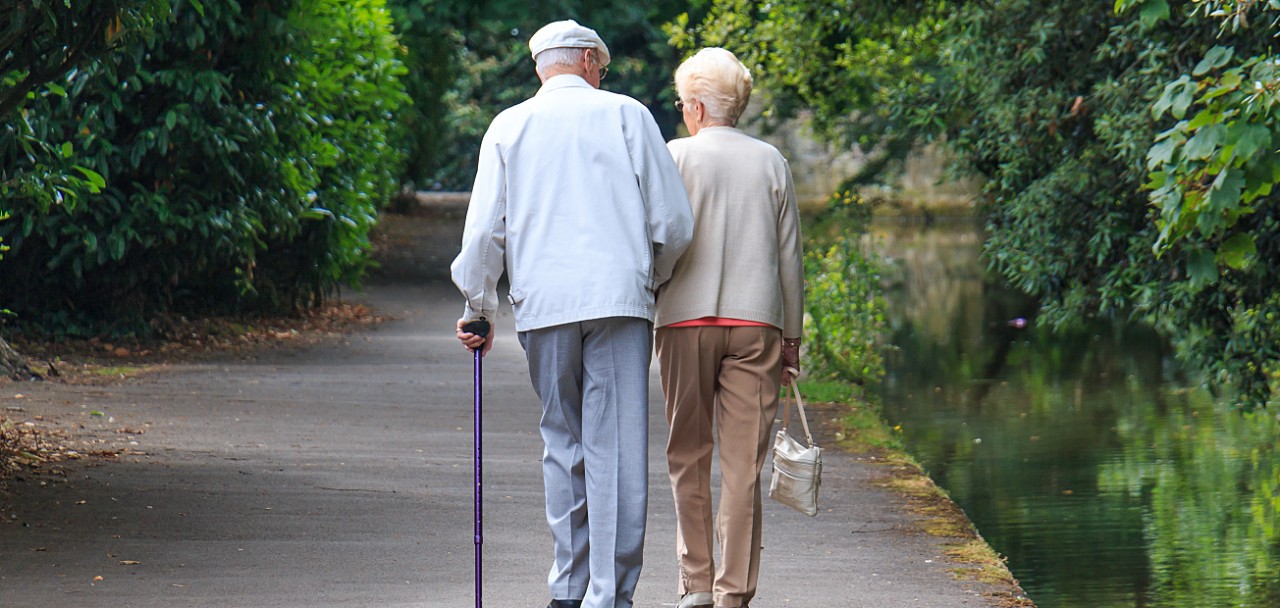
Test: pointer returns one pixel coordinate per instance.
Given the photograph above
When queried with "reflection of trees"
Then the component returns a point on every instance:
(1211, 481)
(938, 299)
(938, 273)
(1045, 427)
(1103, 488)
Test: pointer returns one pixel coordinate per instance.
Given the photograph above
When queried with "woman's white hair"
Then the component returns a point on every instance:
(715, 77)
(558, 56)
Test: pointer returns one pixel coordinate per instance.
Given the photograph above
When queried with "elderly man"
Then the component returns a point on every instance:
(577, 197)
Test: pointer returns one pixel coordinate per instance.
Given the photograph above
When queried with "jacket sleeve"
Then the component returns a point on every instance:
(479, 265)
(669, 215)
(790, 260)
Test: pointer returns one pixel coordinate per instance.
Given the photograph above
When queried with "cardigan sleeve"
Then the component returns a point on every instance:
(790, 260)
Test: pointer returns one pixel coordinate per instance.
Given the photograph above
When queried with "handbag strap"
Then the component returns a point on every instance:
(786, 409)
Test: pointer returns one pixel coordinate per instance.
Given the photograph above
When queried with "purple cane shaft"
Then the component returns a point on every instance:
(479, 476)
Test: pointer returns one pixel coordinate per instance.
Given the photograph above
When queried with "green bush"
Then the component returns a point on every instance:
(348, 94)
(844, 320)
(245, 150)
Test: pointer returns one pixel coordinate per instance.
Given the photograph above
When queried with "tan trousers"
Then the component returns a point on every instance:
(728, 376)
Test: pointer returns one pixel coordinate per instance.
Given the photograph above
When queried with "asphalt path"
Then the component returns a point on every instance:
(340, 475)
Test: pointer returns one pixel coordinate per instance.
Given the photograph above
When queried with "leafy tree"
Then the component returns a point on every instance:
(1063, 125)
(1068, 110)
(41, 41)
(857, 74)
(347, 96)
(1213, 173)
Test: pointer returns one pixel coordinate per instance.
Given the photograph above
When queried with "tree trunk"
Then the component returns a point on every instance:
(12, 364)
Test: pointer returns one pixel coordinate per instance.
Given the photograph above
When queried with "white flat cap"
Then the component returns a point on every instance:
(568, 34)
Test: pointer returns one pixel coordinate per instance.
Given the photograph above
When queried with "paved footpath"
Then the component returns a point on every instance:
(340, 476)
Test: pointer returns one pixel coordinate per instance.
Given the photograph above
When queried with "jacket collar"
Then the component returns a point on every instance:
(564, 81)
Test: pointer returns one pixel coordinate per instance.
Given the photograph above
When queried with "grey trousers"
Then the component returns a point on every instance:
(593, 379)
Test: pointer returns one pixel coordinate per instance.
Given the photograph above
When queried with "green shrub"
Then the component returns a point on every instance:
(245, 149)
(348, 91)
(844, 320)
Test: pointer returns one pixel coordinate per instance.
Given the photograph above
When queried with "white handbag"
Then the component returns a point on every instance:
(797, 470)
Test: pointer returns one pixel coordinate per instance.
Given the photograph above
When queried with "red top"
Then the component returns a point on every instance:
(718, 322)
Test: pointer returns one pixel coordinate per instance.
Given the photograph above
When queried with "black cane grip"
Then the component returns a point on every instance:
(478, 327)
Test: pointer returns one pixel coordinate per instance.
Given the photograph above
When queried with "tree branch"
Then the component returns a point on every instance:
(13, 98)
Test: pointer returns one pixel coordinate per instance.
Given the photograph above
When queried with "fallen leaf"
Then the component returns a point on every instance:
(129, 562)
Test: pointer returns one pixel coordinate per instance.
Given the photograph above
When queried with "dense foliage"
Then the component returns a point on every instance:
(40, 40)
(855, 73)
(1079, 116)
(241, 153)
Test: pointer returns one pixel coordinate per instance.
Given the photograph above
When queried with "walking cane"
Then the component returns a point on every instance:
(479, 328)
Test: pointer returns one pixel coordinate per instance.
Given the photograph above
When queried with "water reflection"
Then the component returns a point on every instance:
(1080, 455)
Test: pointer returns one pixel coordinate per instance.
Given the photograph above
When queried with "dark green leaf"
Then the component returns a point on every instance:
(1201, 269)
(1237, 251)
(1217, 57)
(1154, 11)
(1161, 154)
(1250, 139)
(1225, 193)
(1205, 142)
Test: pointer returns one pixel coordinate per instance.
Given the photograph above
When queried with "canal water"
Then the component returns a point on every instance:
(1087, 457)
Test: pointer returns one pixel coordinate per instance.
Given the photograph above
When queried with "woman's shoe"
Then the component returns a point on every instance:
(697, 599)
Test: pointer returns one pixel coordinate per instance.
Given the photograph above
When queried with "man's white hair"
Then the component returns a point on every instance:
(558, 56)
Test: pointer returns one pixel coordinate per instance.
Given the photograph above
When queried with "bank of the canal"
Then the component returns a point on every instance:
(1088, 456)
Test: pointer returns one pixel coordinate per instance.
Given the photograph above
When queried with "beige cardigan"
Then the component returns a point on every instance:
(745, 258)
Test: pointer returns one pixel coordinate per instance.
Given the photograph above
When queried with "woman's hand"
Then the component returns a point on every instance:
(790, 360)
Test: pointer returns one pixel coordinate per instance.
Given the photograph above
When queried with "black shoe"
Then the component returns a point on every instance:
(565, 604)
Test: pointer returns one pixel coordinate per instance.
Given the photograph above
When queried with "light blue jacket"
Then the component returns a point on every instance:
(578, 199)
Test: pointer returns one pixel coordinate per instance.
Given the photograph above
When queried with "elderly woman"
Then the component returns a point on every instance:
(729, 326)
